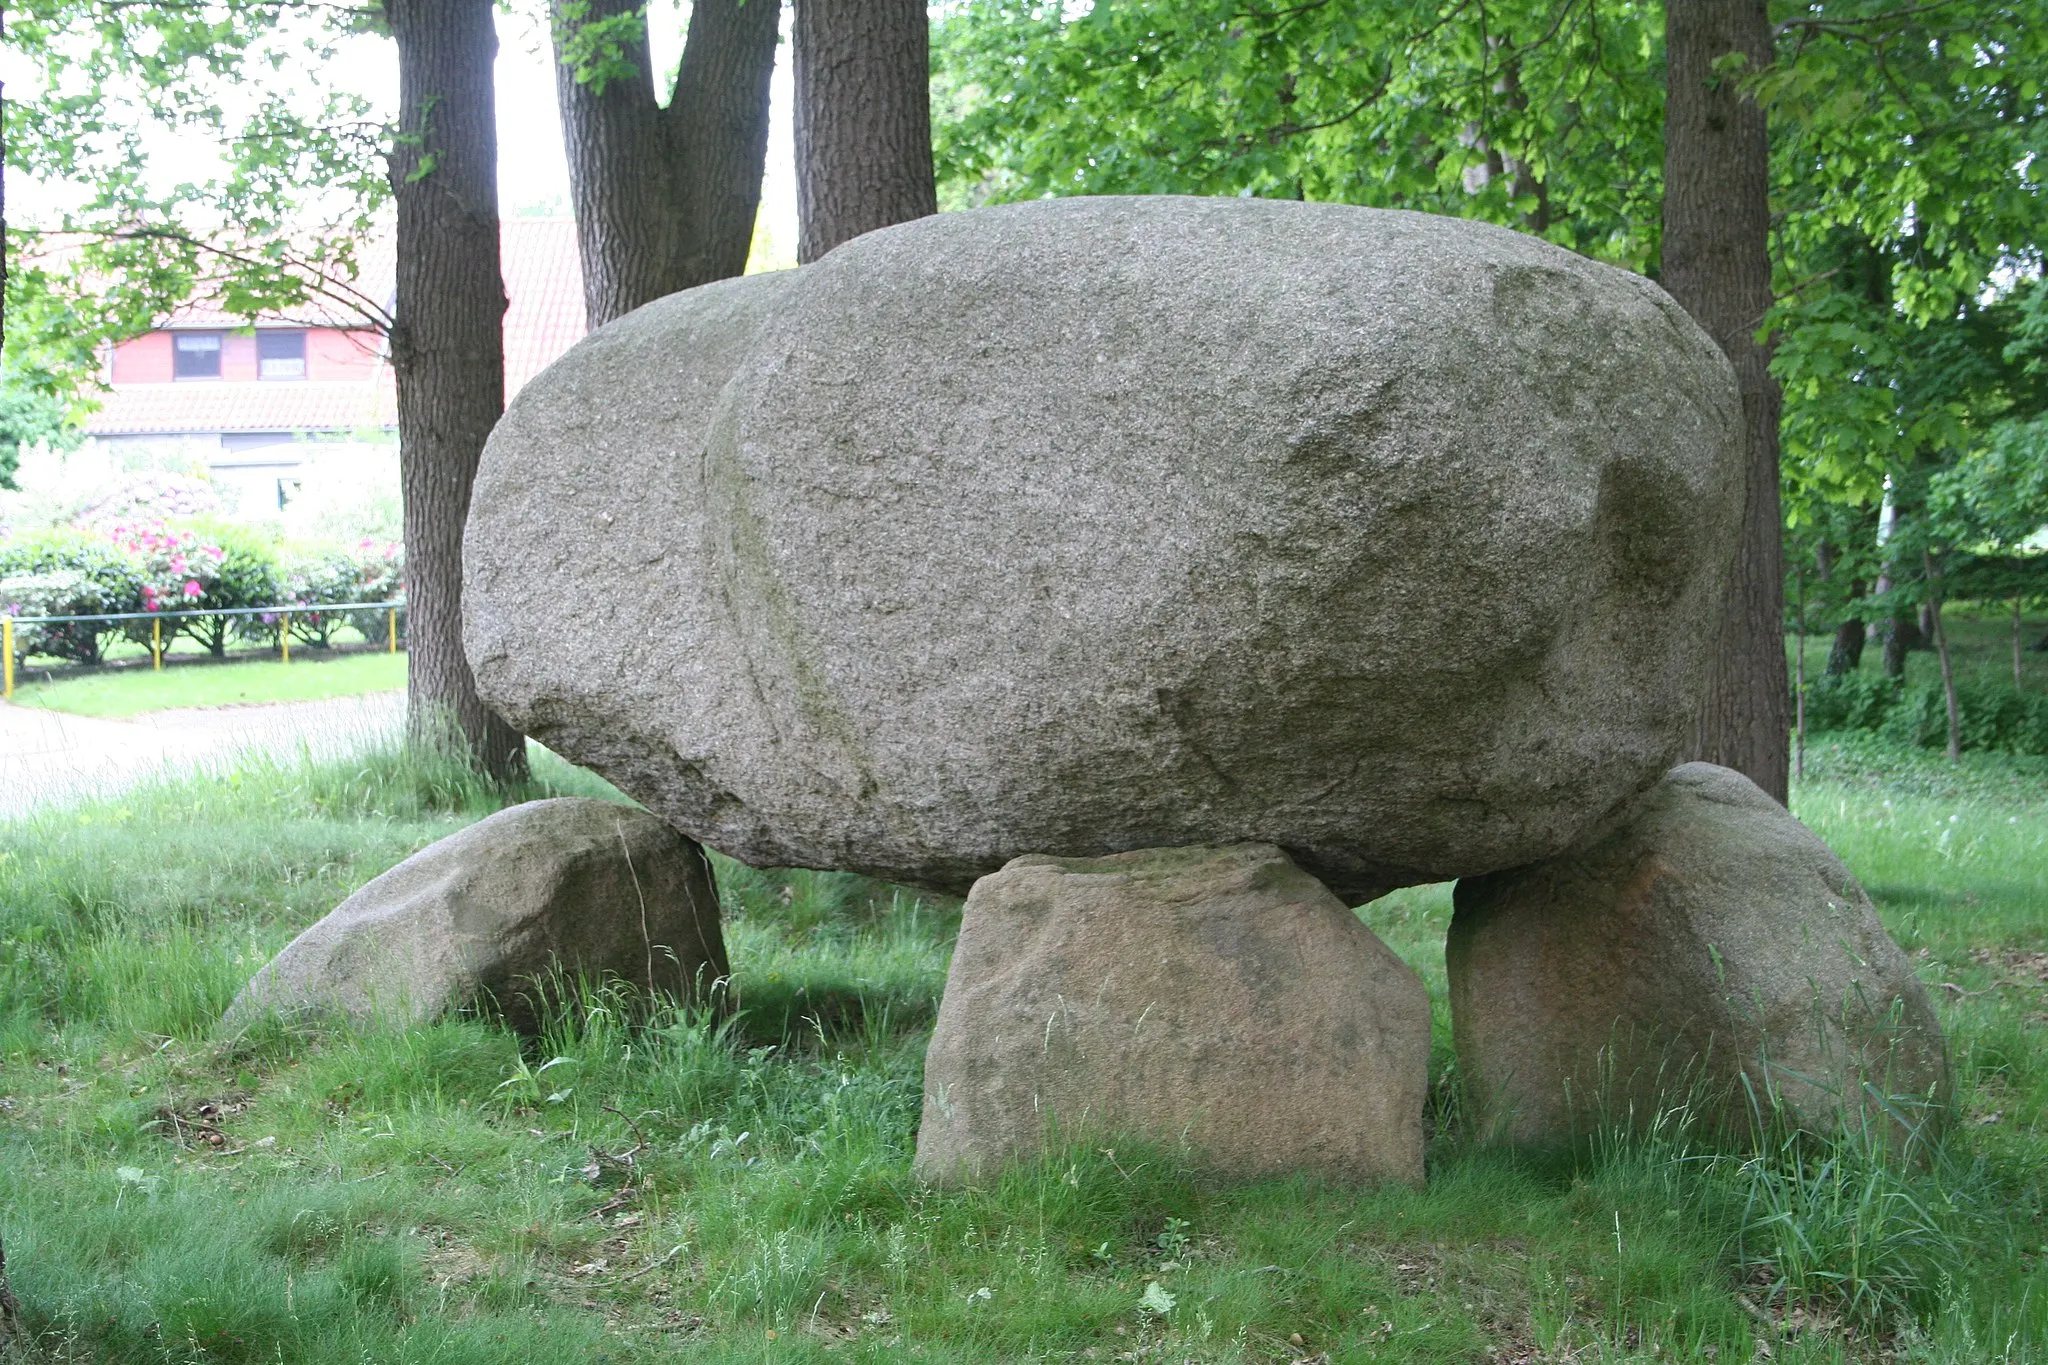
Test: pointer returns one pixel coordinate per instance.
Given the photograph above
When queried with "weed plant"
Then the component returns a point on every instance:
(645, 1183)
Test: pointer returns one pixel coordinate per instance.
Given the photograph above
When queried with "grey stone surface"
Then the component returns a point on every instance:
(1099, 524)
(589, 887)
(1219, 998)
(1712, 942)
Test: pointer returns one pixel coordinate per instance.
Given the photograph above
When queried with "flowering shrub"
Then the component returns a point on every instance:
(148, 498)
(148, 565)
(67, 573)
(380, 577)
(248, 576)
(370, 572)
(176, 565)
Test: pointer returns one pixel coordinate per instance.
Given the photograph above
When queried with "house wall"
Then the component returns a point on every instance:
(237, 359)
(331, 353)
(144, 360)
(334, 354)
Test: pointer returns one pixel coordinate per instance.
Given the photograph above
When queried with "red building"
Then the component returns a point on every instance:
(256, 405)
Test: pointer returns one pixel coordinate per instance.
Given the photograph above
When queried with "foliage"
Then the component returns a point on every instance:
(1545, 116)
(67, 573)
(29, 418)
(274, 228)
(380, 577)
(178, 567)
(1995, 718)
(194, 563)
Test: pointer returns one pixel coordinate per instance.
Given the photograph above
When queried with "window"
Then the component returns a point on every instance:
(280, 355)
(195, 355)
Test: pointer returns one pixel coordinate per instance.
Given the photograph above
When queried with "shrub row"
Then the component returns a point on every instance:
(189, 564)
(1993, 718)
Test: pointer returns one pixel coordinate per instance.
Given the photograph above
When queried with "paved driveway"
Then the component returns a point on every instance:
(49, 756)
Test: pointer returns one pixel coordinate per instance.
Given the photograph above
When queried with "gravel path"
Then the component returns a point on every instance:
(49, 756)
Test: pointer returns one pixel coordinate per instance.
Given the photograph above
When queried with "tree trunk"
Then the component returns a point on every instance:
(1717, 264)
(666, 197)
(1897, 635)
(1845, 655)
(447, 351)
(1948, 677)
(2018, 683)
(863, 119)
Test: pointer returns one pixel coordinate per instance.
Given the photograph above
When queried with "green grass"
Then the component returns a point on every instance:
(669, 1190)
(310, 676)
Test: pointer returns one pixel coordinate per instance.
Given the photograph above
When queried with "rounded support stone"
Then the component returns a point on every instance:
(500, 912)
(1710, 956)
(1220, 1000)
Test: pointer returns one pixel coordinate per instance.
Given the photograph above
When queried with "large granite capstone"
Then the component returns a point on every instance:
(1091, 525)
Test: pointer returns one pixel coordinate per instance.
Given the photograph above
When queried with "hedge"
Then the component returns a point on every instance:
(1994, 718)
(183, 564)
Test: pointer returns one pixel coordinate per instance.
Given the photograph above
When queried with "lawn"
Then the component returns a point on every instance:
(666, 1190)
(117, 694)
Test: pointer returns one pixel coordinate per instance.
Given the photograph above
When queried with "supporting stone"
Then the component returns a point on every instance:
(1219, 999)
(14, 1339)
(496, 912)
(1710, 953)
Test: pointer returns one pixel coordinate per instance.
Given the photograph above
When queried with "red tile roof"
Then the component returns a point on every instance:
(277, 405)
(544, 287)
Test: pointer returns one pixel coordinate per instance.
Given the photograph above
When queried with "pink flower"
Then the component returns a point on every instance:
(192, 588)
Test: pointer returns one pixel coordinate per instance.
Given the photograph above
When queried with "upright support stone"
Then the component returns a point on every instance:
(1710, 952)
(1219, 998)
(14, 1343)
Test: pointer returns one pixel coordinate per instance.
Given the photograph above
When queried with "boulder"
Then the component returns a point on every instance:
(1217, 998)
(12, 1334)
(1710, 952)
(1089, 525)
(491, 913)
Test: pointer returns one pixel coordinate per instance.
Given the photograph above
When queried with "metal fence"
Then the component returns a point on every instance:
(282, 614)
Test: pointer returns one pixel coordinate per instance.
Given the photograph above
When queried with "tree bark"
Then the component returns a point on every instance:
(447, 351)
(1948, 677)
(863, 119)
(1717, 264)
(1845, 655)
(666, 196)
(2019, 683)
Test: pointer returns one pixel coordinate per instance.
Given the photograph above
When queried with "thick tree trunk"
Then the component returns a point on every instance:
(863, 119)
(665, 197)
(447, 350)
(1717, 263)
(1845, 655)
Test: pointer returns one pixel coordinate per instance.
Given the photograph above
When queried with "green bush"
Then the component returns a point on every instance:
(194, 563)
(247, 575)
(313, 575)
(1850, 701)
(319, 576)
(380, 577)
(67, 573)
(1992, 718)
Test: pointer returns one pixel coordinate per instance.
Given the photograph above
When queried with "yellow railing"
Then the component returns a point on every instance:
(156, 628)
